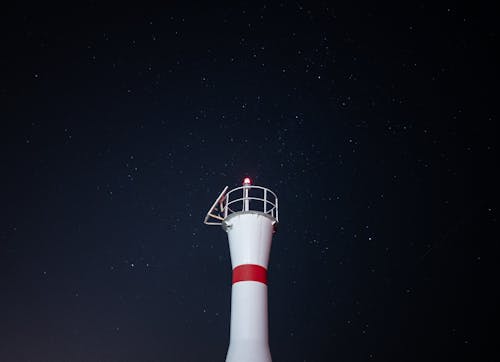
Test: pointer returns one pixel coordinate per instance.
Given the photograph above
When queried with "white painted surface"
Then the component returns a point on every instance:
(250, 236)
(249, 341)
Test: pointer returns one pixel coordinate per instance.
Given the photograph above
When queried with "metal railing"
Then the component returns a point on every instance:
(243, 198)
(251, 198)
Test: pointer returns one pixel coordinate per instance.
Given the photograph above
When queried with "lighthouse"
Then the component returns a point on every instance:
(249, 215)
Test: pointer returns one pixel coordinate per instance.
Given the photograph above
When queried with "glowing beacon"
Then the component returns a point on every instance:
(249, 215)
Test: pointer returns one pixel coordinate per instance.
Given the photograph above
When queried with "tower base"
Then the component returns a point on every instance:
(248, 351)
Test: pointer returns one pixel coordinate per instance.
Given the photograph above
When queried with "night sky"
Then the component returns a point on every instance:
(374, 125)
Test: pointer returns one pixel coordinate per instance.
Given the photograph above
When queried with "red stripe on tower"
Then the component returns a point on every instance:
(250, 272)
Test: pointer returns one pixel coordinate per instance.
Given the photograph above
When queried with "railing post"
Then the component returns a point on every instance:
(276, 201)
(227, 204)
(246, 202)
(265, 201)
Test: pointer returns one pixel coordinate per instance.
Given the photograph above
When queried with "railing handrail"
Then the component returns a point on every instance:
(266, 211)
(252, 187)
(252, 198)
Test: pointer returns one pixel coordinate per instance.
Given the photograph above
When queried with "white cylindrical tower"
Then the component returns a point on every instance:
(249, 215)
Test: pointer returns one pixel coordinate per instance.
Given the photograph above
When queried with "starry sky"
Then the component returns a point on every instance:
(120, 125)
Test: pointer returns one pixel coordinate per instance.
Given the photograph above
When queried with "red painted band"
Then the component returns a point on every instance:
(249, 272)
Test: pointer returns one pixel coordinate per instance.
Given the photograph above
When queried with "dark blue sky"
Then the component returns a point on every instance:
(120, 126)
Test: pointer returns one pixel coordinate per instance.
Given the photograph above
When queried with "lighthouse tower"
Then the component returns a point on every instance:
(249, 215)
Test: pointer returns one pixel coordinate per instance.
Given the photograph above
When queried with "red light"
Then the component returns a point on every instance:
(247, 181)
